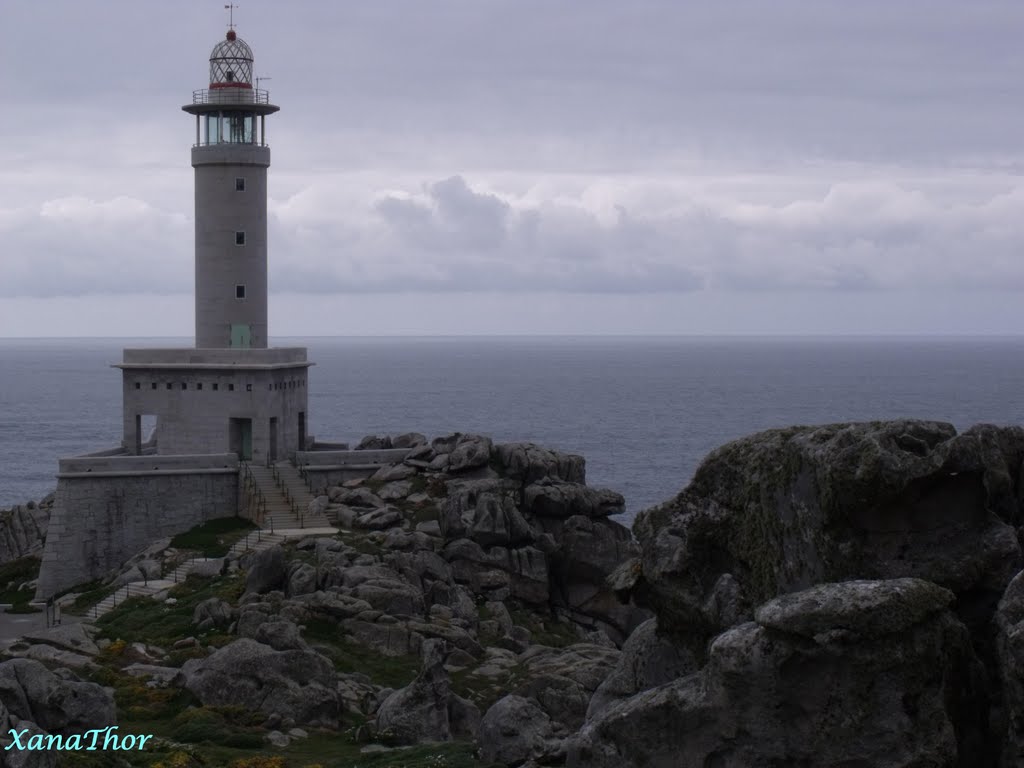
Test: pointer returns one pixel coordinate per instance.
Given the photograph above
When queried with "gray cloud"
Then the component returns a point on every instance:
(531, 147)
(587, 235)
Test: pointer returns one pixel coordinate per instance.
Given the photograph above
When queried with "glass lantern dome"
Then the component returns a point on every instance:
(231, 63)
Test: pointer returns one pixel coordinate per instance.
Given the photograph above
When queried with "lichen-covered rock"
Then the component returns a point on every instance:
(466, 500)
(301, 579)
(781, 510)
(213, 613)
(562, 680)
(426, 709)
(23, 530)
(408, 440)
(281, 635)
(1010, 651)
(470, 451)
(837, 690)
(267, 570)
(556, 498)
(530, 463)
(515, 730)
(374, 442)
(648, 660)
(55, 703)
(299, 684)
(590, 550)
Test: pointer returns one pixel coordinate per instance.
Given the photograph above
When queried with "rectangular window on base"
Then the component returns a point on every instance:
(239, 291)
(239, 184)
(239, 238)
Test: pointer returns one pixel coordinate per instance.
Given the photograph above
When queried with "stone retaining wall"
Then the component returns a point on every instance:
(107, 509)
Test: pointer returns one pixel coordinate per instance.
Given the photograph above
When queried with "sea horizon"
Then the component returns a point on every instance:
(642, 410)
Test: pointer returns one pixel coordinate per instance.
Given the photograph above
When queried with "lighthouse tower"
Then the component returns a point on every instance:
(202, 424)
(231, 158)
(232, 393)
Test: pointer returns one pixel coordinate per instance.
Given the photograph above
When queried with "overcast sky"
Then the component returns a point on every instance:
(531, 166)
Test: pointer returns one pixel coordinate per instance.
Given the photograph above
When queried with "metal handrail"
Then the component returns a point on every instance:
(231, 96)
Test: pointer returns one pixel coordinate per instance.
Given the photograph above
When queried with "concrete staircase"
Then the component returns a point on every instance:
(287, 498)
(253, 542)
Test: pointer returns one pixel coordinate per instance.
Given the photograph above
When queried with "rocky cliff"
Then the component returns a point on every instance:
(23, 529)
(842, 595)
(847, 594)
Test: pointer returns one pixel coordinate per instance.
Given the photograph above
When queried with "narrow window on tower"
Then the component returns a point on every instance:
(239, 291)
(239, 238)
(239, 184)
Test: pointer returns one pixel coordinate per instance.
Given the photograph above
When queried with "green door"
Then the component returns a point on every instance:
(247, 439)
(241, 336)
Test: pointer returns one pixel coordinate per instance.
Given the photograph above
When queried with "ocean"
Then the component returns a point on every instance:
(643, 411)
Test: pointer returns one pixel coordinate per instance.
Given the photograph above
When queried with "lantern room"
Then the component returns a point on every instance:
(231, 63)
(231, 110)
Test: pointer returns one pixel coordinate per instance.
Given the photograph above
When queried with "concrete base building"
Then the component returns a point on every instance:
(248, 402)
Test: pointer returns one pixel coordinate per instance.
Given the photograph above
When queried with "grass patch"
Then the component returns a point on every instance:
(214, 537)
(12, 575)
(349, 656)
(553, 633)
(425, 513)
(223, 726)
(91, 593)
(325, 750)
(144, 620)
(485, 691)
(363, 545)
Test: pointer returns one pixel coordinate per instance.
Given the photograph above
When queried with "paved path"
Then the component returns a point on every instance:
(14, 625)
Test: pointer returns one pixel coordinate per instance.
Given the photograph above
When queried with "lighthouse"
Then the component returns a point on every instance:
(232, 393)
(210, 428)
(231, 158)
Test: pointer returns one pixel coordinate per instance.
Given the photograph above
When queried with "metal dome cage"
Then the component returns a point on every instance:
(231, 63)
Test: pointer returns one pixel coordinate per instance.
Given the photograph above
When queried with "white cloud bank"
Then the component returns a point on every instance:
(370, 233)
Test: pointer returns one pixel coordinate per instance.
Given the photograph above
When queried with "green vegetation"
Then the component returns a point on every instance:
(142, 619)
(12, 576)
(423, 513)
(136, 702)
(553, 633)
(320, 751)
(348, 656)
(214, 537)
(485, 691)
(90, 594)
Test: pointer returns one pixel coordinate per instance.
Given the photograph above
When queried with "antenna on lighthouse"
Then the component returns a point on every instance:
(230, 8)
